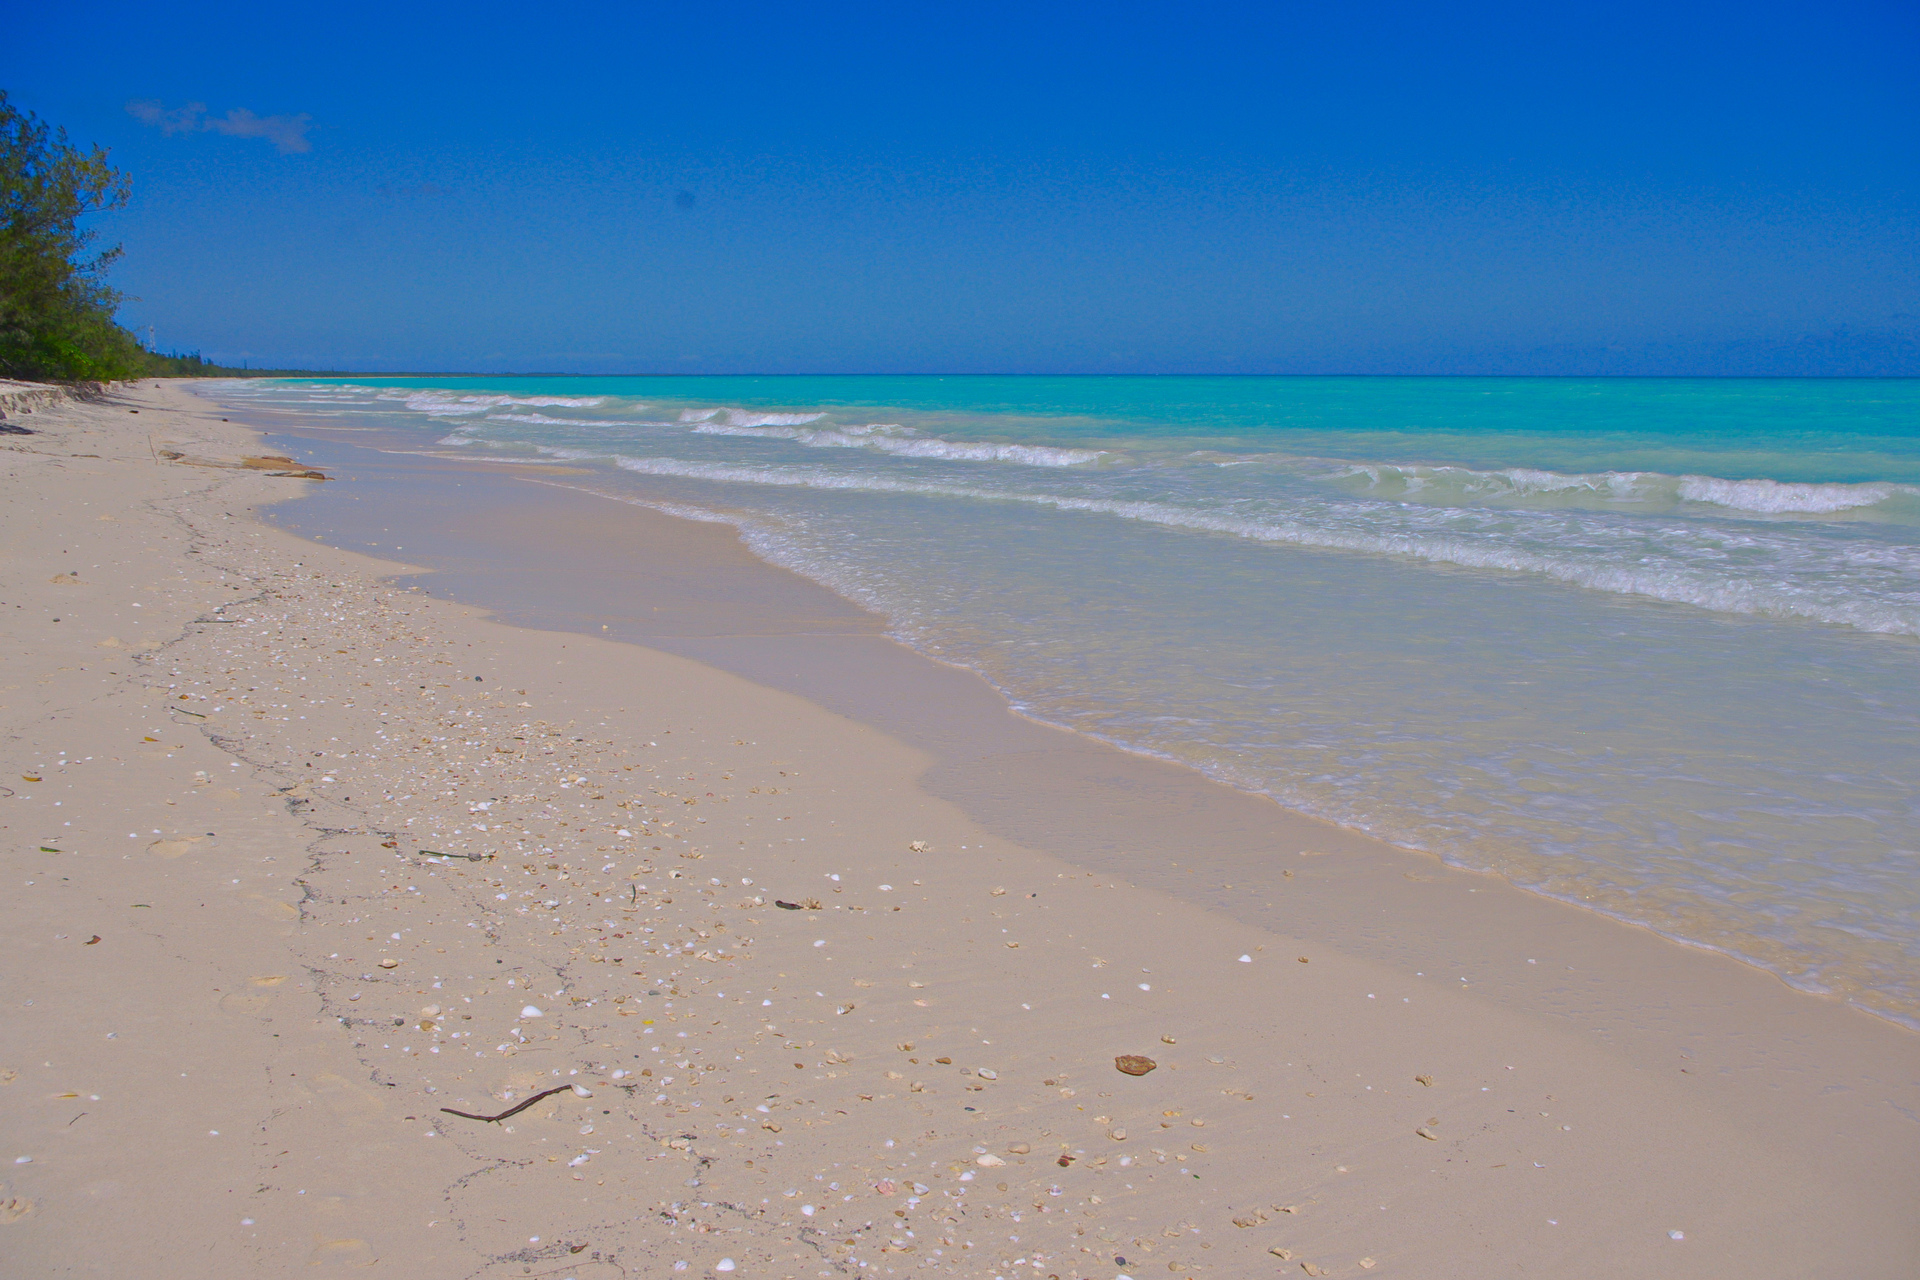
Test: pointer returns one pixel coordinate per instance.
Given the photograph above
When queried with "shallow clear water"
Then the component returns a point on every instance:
(1648, 645)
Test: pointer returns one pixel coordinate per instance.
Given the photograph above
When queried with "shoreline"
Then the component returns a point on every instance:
(840, 656)
(1697, 1095)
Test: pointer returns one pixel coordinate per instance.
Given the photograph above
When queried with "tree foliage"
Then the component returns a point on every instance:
(56, 309)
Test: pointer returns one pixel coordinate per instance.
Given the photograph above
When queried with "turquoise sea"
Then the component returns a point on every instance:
(1647, 645)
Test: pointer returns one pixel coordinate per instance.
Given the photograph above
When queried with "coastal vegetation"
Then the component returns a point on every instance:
(56, 308)
(57, 311)
(158, 364)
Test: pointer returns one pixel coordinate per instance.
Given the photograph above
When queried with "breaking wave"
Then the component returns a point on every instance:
(745, 418)
(1655, 573)
(1776, 497)
(905, 442)
(1456, 485)
(442, 404)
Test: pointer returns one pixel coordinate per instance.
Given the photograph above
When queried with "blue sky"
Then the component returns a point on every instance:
(1360, 187)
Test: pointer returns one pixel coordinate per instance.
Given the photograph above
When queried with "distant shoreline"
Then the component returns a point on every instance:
(1455, 377)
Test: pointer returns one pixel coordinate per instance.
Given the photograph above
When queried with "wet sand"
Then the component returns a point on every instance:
(1589, 1089)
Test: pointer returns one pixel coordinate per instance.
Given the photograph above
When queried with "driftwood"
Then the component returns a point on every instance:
(512, 1111)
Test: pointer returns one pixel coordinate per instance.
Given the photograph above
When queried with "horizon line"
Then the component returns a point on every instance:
(562, 373)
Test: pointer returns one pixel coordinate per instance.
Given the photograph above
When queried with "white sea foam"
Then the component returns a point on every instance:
(1775, 497)
(905, 442)
(980, 451)
(1518, 485)
(1723, 593)
(451, 404)
(750, 418)
(1702, 583)
(542, 420)
(1466, 483)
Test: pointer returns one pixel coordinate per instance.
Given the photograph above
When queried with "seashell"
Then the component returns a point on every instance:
(1134, 1064)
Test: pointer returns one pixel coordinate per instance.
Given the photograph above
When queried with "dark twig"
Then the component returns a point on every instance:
(467, 1115)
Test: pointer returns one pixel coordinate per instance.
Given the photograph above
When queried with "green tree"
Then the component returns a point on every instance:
(56, 309)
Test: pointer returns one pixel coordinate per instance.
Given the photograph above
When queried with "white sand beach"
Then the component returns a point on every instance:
(300, 857)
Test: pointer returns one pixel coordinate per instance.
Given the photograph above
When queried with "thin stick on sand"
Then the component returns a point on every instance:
(514, 1111)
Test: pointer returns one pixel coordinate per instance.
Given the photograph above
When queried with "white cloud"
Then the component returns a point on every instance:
(187, 119)
(287, 133)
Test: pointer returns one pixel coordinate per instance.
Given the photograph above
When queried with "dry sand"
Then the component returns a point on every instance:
(241, 989)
